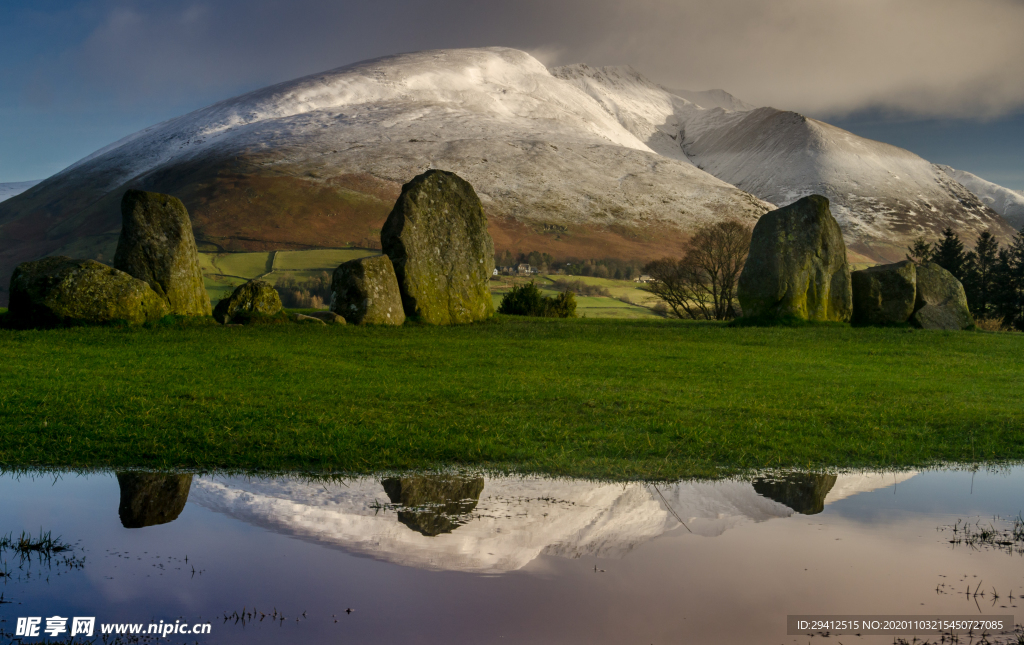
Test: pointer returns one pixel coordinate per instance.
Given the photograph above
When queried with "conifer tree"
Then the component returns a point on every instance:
(1008, 284)
(949, 254)
(979, 269)
(921, 251)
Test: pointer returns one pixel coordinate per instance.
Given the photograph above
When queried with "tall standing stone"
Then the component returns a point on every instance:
(885, 294)
(437, 239)
(941, 302)
(797, 265)
(365, 292)
(157, 246)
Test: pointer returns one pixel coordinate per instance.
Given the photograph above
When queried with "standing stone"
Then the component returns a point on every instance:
(437, 239)
(941, 302)
(61, 291)
(149, 499)
(797, 265)
(157, 245)
(884, 294)
(365, 292)
(253, 297)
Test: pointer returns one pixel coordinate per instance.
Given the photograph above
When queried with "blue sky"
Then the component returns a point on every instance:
(939, 77)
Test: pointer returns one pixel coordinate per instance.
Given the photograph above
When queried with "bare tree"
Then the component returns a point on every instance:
(702, 284)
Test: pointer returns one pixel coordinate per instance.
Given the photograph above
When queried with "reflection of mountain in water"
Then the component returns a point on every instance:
(803, 492)
(438, 503)
(497, 525)
(148, 499)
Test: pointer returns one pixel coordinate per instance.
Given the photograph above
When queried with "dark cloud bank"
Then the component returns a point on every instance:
(926, 57)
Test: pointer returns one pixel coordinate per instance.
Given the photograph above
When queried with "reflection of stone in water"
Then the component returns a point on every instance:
(803, 492)
(148, 499)
(436, 502)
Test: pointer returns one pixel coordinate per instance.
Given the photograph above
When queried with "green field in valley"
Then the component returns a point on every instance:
(584, 397)
(222, 272)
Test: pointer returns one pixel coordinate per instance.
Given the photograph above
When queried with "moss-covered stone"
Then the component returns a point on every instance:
(437, 239)
(61, 291)
(249, 301)
(797, 265)
(148, 499)
(434, 504)
(941, 302)
(157, 246)
(365, 291)
(884, 295)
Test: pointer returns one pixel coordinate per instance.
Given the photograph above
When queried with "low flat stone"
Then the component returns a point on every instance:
(328, 317)
(157, 245)
(884, 294)
(303, 318)
(365, 292)
(61, 291)
(253, 297)
(941, 302)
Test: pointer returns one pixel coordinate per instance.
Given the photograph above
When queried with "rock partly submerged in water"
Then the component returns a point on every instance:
(941, 302)
(157, 246)
(797, 265)
(59, 291)
(254, 298)
(885, 294)
(365, 291)
(443, 256)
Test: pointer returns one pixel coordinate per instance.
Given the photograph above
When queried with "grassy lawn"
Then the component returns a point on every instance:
(605, 398)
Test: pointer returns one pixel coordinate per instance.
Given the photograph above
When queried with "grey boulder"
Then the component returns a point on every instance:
(941, 302)
(884, 294)
(365, 292)
(254, 297)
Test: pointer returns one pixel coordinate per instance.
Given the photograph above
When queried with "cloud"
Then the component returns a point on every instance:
(822, 57)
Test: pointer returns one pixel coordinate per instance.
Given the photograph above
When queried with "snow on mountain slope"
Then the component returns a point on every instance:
(709, 99)
(883, 196)
(514, 521)
(1006, 202)
(11, 189)
(319, 161)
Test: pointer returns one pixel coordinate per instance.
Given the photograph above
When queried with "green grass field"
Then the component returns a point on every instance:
(598, 398)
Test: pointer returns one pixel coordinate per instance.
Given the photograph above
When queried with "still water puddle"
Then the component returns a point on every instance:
(470, 559)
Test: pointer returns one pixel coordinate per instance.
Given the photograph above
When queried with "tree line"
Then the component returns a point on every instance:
(702, 283)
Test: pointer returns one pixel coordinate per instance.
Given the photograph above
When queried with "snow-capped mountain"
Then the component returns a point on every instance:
(1006, 202)
(883, 196)
(319, 161)
(577, 162)
(11, 189)
(514, 521)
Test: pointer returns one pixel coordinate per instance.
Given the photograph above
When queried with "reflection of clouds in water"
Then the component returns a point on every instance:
(514, 521)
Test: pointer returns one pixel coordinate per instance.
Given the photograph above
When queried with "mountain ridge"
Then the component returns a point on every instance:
(578, 162)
